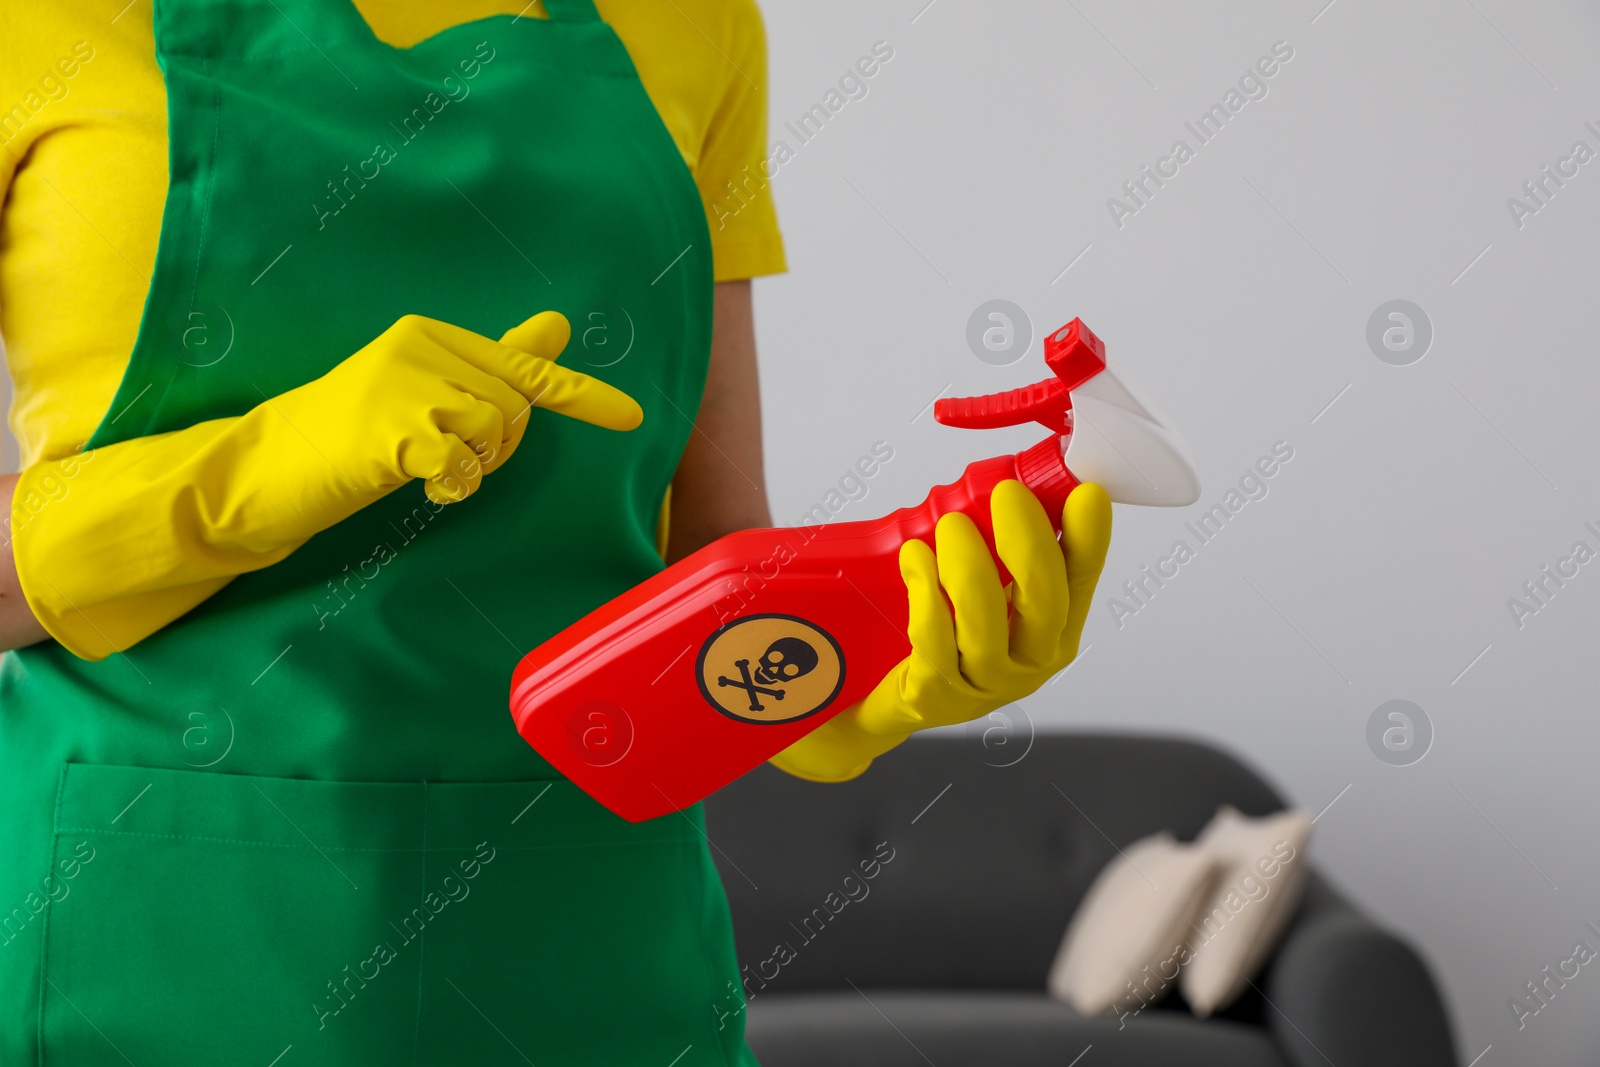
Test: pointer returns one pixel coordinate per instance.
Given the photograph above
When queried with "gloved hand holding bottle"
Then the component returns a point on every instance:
(970, 654)
(155, 525)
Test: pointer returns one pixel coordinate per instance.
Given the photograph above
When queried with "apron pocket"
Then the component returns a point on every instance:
(222, 918)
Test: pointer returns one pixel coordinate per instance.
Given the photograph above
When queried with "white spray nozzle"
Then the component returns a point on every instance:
(1120, 444)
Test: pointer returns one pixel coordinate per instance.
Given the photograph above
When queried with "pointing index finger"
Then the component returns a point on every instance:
(532, 373)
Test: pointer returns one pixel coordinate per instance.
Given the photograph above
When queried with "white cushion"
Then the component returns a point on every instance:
(1261, 872)
(1124, 946)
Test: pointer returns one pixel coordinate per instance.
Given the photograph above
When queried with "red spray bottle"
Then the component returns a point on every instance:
(697, 675)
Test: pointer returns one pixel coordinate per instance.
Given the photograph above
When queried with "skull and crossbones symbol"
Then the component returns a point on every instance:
(785, 659)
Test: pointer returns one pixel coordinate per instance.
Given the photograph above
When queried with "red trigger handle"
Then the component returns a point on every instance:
(1072, 352)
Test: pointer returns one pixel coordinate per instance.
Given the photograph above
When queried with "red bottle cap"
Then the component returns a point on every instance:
(1043, 471)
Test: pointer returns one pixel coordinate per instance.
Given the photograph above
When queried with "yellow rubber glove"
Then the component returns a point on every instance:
(966, 664)
(114, 544)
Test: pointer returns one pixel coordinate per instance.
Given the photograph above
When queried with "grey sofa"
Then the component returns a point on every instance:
(940, 956)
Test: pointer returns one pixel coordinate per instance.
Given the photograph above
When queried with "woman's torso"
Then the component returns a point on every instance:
(283, 800)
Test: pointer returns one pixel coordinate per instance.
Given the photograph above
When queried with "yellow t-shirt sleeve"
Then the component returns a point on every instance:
(704, 65)
(734, 173)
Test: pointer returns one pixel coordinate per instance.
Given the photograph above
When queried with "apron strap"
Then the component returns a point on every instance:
(571, 10)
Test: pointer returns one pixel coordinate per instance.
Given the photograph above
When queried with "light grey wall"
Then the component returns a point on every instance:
(1379, 566)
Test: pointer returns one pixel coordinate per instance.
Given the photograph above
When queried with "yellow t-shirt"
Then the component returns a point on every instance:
(83, 171)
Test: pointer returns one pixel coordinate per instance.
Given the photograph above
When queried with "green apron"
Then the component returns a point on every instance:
(297, 826)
